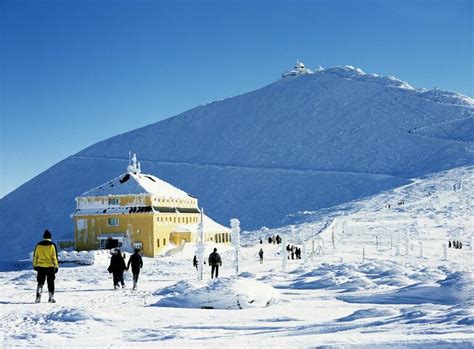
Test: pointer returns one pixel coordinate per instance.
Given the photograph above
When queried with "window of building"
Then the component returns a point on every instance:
(113, 201)
(164, 241)
(157, 242)
(113, 222)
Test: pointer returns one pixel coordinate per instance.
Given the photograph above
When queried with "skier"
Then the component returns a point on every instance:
(292, 252)
(117, 267)
(215, 262)
(288, 250)
(278, 239)
(260, 253)
(137, 263)
(449, 243)
(45, 262)
(269, 239)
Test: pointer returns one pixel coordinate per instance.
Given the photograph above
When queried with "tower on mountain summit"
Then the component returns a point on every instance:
(298, 69)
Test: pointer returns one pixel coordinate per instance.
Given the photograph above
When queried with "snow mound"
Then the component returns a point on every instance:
(68, 315)
(223, 293)
(456, 288)
(351, 277)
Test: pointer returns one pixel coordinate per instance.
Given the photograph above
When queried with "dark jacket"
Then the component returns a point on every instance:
(215, 259)
(136, 261)
(117, 264)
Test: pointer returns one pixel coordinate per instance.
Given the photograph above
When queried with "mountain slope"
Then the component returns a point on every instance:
(301, 143)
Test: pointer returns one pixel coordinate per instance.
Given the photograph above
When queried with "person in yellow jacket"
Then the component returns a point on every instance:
(45, 262)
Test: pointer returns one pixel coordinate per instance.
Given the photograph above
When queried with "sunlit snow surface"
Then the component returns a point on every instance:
(338, 298)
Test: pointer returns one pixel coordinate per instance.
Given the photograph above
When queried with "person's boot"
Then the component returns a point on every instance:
(134, 285)
(51, 298)
(39, 290)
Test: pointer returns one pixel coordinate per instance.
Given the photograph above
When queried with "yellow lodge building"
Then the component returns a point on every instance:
(138, 210)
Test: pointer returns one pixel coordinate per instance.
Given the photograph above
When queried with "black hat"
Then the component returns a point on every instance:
(46, 234)
(215, 249)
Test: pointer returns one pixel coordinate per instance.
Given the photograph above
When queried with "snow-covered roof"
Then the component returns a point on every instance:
(137, 183)
(209, 225)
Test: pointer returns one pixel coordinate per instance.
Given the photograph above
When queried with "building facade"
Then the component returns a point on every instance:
(140, 210)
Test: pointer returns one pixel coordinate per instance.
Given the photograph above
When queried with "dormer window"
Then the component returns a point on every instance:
(113, 201)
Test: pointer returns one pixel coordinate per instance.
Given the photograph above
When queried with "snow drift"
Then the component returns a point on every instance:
(222, 293)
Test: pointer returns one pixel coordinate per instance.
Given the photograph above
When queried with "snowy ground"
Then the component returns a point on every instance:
(356, 292)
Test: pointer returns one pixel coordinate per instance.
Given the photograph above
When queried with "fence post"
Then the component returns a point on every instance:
(445, 252)
(284, 254)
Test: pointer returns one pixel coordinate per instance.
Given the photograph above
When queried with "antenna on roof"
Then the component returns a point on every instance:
(129, 167)
(133, 165)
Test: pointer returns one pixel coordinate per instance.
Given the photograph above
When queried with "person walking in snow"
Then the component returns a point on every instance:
(292, 252)
(260, 254)
(45, 262)
(195, 262)
(137, 263)
(449, 243)
(117, 267)
(215, 262)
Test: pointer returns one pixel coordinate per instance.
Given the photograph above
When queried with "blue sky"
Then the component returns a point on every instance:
(73, 73)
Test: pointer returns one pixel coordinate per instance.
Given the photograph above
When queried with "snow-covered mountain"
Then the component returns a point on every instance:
(300, 144)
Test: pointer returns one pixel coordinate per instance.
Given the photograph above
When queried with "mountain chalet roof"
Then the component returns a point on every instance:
(137, 183)
(209, 226)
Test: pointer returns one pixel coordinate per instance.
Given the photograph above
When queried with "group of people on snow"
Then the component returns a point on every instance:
(117, 267)
(399, 203)
(293, 251)
(455, 244)
(215, 261)
(273, 239)
(46, 264)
